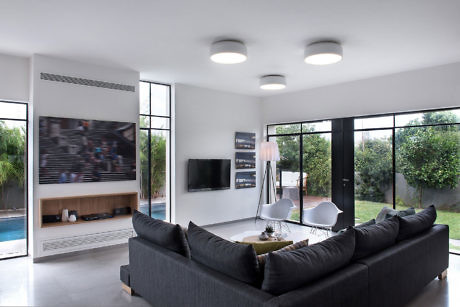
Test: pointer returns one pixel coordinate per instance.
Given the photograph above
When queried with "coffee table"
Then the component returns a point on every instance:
(294, 236)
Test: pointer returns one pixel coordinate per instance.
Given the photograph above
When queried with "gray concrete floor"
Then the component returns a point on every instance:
(92, 279)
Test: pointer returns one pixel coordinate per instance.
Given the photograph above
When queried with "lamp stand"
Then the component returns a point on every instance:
(268, 173)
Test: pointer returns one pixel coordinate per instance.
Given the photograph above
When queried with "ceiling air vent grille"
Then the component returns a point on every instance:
(78, 242)
(87, 82)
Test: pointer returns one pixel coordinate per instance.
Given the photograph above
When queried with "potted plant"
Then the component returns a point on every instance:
(269, 230)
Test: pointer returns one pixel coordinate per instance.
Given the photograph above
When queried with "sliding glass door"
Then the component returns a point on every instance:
(13, 179)
(303, 173)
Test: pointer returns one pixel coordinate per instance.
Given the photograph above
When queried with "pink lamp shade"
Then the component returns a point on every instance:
(269, 151)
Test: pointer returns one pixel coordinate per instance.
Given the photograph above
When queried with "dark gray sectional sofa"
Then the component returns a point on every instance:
(390, 277)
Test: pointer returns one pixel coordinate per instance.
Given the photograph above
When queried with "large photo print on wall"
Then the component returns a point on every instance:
(80, 150)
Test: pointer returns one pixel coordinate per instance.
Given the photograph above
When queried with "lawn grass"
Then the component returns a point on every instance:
(366, 210)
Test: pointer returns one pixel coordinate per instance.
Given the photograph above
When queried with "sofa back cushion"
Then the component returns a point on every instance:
(386, 213)
(161, 233)
(289, 270)
(235, 260)
(373, 238)
(414, 224)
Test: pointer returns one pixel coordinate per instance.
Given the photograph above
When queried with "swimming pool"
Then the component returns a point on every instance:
(13, 228)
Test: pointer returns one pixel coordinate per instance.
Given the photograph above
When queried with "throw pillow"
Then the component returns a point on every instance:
(373, 238)
(414, 224)
(289, 270)
(266, 247)
(401, 213)
(238, 261)
(262, 258)
(162, 233)
(386, 213)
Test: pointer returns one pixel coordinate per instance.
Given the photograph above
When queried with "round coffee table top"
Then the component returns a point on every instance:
(253, 236)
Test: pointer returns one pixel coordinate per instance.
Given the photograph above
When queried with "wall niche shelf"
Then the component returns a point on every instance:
(87, 204)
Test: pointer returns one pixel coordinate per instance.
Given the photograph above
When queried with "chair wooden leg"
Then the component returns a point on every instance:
(443, 275)
(127, 289)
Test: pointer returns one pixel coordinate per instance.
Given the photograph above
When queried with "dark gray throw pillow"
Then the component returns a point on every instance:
(373, 238)
(414, 224)
(164, 234)
(238, 261)
(386, 213)
(368, 223)
(290, 270)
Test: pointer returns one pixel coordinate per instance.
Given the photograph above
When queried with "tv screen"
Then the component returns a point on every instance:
(80, 150)
(208, 174)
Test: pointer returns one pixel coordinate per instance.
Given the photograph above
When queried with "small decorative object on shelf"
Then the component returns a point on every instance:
(72, 218)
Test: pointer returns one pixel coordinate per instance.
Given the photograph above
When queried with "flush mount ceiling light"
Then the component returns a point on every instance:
(273, 82)
(323, 53)
(228, 52)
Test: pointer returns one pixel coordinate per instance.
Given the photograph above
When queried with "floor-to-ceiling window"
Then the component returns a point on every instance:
(303, 173)
(409, 160)
(13, 179)
(155, 148)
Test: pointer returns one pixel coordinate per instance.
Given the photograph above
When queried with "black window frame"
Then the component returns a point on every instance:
(26, 171)
(149, 135)
(351, 138)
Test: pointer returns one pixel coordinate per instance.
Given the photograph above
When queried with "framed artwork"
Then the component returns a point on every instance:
(245, 140)
(245, 160)
(245, 180)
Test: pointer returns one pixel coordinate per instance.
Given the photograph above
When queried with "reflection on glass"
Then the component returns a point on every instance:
(374, 122)
(325, 125)
(427, 172)
(316, 163)
(159, 193)
(13, 219)
(428, 118)
(287, 172)
(160, 99)
(144, 96)
(373, 173)
(13, 110)
(285, 129)
(160, 122)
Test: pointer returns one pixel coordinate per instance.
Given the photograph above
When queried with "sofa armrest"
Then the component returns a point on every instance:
(166, 278)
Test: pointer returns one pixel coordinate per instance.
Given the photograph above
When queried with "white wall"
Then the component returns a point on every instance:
(206, 122)
(435, 87)
(14, 78)
(77, 101)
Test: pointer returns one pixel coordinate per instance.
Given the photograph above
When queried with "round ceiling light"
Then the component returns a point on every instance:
(273, 82)
(323, 53)
(228, 52)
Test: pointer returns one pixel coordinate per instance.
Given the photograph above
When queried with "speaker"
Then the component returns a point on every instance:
(122, 211)
(51, 218)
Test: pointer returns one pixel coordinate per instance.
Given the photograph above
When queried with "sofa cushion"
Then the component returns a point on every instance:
(290, 270)
(162, 233)
(414, 224)
(262, 258)
(373, 238)
(368, 223)
(386, 213)
(235, 260)
(266, 247)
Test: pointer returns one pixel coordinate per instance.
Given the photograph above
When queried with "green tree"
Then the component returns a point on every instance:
(11, 157)
(316, 158)
(158, 160)
(428, 157)
(373, 166)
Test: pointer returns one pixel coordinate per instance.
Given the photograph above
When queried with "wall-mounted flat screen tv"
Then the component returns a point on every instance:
(208, 174)
(82, 150)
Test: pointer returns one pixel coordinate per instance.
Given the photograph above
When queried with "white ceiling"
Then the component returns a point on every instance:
(169, 40)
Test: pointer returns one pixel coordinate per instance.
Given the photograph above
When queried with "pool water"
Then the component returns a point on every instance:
(158, 210)
(13, 228)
